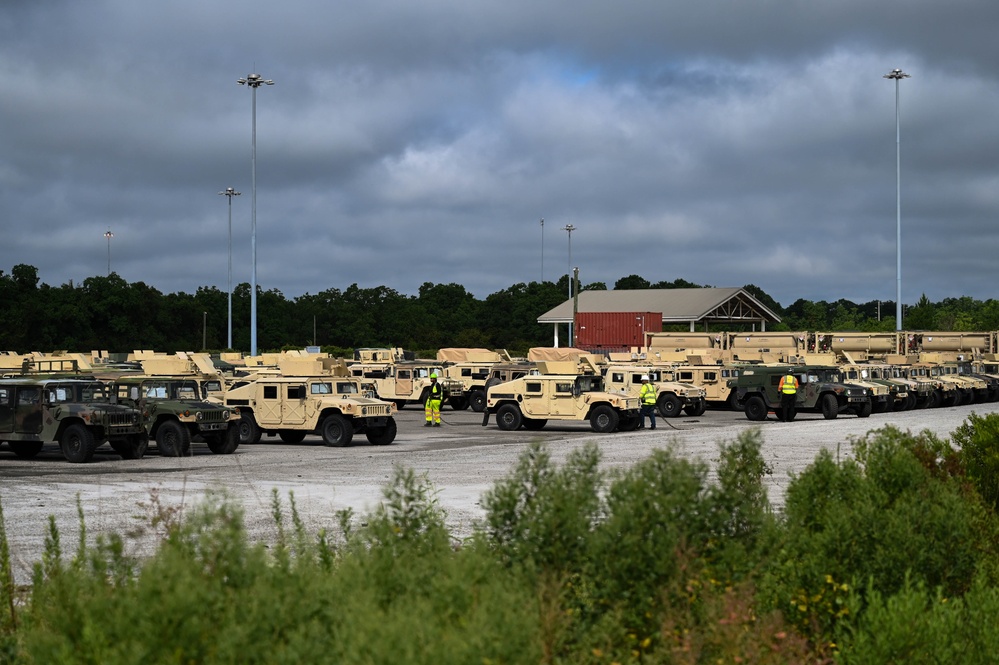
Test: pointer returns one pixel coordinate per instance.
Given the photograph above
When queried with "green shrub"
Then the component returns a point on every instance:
(978, 439)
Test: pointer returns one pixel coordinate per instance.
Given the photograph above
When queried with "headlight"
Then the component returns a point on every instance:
(225, 415)
(199, 415)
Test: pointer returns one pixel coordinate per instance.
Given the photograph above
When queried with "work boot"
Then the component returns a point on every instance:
(428, 424)
(642, 426)
(653, 427)
(437, 424)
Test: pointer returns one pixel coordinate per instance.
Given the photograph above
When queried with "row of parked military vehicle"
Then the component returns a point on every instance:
(173, 400)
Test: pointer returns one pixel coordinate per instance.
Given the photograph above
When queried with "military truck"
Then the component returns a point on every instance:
(881, 392)
(293, 407)
(174, 414)
(559, 393)
(78, 414)
(821, 389)
(717, 381)
(407, 382)
(672, 397)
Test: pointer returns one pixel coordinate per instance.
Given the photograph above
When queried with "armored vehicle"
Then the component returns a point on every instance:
(717, 381)
(174, 414)
(407, 382)
(531, 401)
(672, 397)
(947, 390)
(476, 378)
(821, 389)
(78, 414)
(882, 397)
(292, 407)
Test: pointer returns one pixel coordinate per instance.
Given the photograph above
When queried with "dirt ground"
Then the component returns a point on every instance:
(462, 459)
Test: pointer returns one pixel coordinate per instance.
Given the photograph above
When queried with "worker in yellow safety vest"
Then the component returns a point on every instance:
(647, 396)
(788, 388)
(435, 396)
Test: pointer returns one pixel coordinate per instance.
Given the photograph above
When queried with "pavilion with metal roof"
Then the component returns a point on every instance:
(691, 306)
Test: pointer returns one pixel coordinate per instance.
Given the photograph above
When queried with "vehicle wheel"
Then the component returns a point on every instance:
(534, 424)
(173, 439)
(629, 424)
(756, 408)
(912, 402)
(291, 435)
(509, 418)
(478, 400)
(604, 419)
(382, 436)
(865, 409)
(937, 400)
(458, 403)
(696, 409)
(669, 406)
(881, 406)
(957, 397)
(400, 404)
(134, 447)
(423, 397)
(77, 443)
(224, 443)
(830, 407)
(733, 401)
(249, 431)
(337, 431)
(26, 449)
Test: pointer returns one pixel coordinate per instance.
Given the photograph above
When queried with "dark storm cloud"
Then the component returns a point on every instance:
(724, 143)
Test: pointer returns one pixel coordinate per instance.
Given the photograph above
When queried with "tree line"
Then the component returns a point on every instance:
(109, 313)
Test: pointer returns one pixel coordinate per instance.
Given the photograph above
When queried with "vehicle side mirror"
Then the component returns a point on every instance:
(133, 393)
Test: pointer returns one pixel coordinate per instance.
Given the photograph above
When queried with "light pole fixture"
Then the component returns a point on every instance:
(109, 235)
(230, 192)
(897, 75)
(570, 228)
(254, 81)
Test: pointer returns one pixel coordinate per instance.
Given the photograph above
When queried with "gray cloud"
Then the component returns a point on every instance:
(724, 143)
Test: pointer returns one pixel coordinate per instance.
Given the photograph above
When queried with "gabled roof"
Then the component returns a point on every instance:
(728, 305)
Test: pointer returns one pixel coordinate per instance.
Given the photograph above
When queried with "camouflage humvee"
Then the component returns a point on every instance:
(672, 397)
(78, 414)
(174, 414)
(558, 393)
(821, 389)
(294, 406)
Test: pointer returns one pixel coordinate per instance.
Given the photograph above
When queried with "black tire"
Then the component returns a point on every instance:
(458, 403)
(830, 406)
(696, 409)
(382, 436)
(224, 443)
(604, 419)
(291, 435)
(337, 431)
(937, 399)
(173, 439)
(756, 408)
(509, 418)
(669, 406)
(400, 404)
(423, 397)
(134, 447)
(478, 401)
(733, 401)
(881, 406)
(629, 423)
(249, 431)
(77, 444)
(864, 410)
(26, 449)
(535, 424)
(912, 402)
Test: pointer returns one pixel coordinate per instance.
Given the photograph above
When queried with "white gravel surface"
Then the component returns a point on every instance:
(462, 459)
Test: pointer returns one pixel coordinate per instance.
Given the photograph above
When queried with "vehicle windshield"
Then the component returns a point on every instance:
(588, 383)
(71, 392)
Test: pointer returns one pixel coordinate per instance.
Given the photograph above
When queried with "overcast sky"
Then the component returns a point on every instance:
(725, 143)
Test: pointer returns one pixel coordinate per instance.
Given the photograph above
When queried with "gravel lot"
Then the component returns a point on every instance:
(462, 459)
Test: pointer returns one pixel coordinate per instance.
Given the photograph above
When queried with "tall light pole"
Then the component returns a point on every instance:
(254, 81)
(542, 250)
(109, 235)
(897, 75)
(230, 192)
(570, 228)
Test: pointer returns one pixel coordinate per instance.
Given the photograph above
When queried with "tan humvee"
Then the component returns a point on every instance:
(293, 406)
(672, 397)
(882, 398)
(477, 370)
(406, 382)
(559, 393)
(717, 381)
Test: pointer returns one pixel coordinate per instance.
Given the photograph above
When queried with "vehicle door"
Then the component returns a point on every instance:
(6, 409)
(293, 404)
(535, 403)
(561, 400)
(404, 383)
(269, 400)
(28, 410)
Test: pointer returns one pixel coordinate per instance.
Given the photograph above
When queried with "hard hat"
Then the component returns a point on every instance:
(433, 375)
(645, 377)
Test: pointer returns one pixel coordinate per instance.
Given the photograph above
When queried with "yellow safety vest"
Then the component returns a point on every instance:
(787, 385)
(648, 393)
